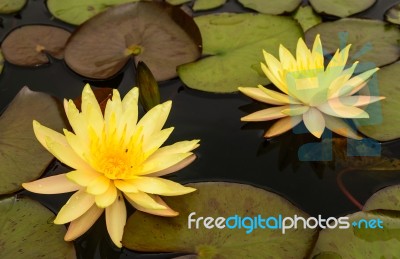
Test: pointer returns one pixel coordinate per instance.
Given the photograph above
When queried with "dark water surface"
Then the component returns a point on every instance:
(230, 150)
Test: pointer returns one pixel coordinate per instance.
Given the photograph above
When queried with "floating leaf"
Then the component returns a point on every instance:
(306, 17)
(28, 45)
(235, 57)
(341, 8)
(148, 87)
(77, 11)
(271, 6)
(27, 231)
(161, 35)
(393, 14)
(11, 6)
(22, 158)
(384, 121)
(177, 2)
(207, 4)
(220, 200)
(386, 199)
(362, 242)
(372, 40)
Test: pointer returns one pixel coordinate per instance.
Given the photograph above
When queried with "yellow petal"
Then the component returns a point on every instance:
(106, 199)
(52, 185)
(125, 186)
(144, 200)
(340, 127)
(153, 143)
(339, 60)
(167, 212)
(160, 186)
(159, 162)
(83, 177)
(303, 56)
(82, 224)
(278, 96)
(76, 120)
(131, 99)
(287, 60)
(295, 110)
(178, 166)
(341, 80)
(282, 126)
(113, 113)
(259, 95)
(116, 220)
(317, 53)
(91, 110)
(357, 100)
(178, 147)
(98, 186)
(79, 147)
(353, 83)
(273, 64)
(337, 109)
(76, 206)
(267, 114)
(314, 122)
(276, 79)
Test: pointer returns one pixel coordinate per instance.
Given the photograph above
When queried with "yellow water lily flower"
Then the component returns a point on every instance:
(320, 97)
(113, 156)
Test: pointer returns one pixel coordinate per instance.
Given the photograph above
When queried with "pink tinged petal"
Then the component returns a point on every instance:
(83, 177)
(76, 206)
(178, 166)
(145, 200)
(283, 125)
(153, 143)
(356, 89)
(126, 186)
(98, 186)
(178, 147)
(276, 78)
(287, 60)
(295, 110)
(52, 185)
(116, 220)
(82, 224)
(357, 100)
(314, 122)
(340, 127)
(341, 80)
(353, 83)
(337, 109)
(278, 96)
(259, 95)
(158, 162)
(160, 186)
(106, 199)
(267, 114)
(167, 212)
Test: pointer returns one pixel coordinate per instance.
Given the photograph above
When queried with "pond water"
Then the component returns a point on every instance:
(230, 149)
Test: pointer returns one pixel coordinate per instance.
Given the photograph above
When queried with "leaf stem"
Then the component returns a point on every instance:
(344, 190)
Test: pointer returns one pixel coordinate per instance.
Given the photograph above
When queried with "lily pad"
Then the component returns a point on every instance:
(271, 6)
(220, 200)
(372, 40)
(232, 58)
(26, 231)
(148, 88)
(29, 45)
(386, 199)
(384, 116)
(22, 158)
(341, 8)
(11, 6)
(207, 4)
(161, 35)
(77, 11)
(393, 15)
(177, 2)
(306, 17)
(360, 242)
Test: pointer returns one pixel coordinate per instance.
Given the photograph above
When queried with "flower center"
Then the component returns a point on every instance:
(116, 166)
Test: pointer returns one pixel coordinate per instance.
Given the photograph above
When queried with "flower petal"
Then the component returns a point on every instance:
(303, 56)
(91, 110)
(339, 60)
(83, 177)
(160, 186)
(275, 78)
(144, 200)
(76, 120)
(82, 224)
(106, 199)
(125, 186)
(76, 206)
(314, 122)
(178, 166)
(337, 109)
(156, 141)
(282, 126)
(259, 95)
(317, 53)
(340, 127)
(116, 220)
(278, 96)
(295, 110)
(178, 147)
(98, 186)
(287, 60)
(52, 185)
(160, 162)
(267, 114)
(357, 100)
(167, 212)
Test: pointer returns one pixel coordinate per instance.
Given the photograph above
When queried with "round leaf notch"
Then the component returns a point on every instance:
(159, 34)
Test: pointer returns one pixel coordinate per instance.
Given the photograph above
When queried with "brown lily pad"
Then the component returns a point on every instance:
(29, 45)
(161, 35)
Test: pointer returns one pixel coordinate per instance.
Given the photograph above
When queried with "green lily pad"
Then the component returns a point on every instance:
(217, 199)
(177, 2)
(372, 40)
(11, 6)
(29, 45)
(271, 6)
(207, 4)
(140, 30)
(148, 88)
(341, 8)
(22, 158)
(307, 18)
(384, 116)
(77, 11)
(232, 58)
(361, 242)
(393, 15)
(26, 231)
(386, 199)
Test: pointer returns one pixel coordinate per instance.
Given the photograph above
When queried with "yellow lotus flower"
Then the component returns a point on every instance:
(310, 93)
(113, 156)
